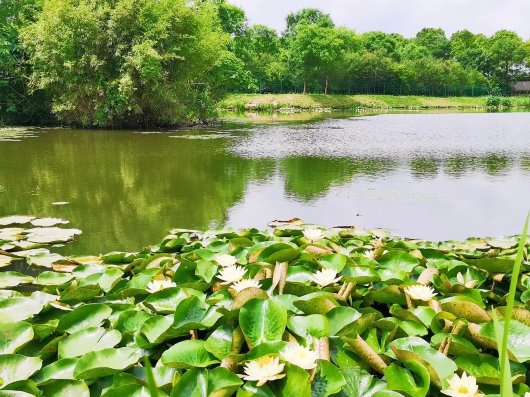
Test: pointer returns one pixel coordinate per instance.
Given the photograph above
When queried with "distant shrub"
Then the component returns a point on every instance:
(506, 102)
(493, 101)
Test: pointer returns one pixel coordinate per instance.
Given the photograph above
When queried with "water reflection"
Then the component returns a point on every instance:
(126, 189)
(422, 167)
(307, 178)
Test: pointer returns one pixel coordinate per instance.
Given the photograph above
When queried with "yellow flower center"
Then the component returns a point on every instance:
(463, 390)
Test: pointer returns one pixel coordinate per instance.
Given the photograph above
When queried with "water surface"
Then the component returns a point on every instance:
(435, 176)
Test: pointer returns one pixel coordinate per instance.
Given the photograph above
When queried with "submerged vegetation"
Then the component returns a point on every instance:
(296, 311)
(157, 63)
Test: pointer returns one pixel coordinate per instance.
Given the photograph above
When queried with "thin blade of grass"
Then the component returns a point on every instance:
(504, 362)
(506, 381)
(150, 378)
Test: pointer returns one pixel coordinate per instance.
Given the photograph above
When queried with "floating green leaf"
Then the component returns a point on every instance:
(14, 335)
(262, 321)
(17, 309)
(105, 362)
(16, 367)
(188, 354)
(86, 316)
(87, 340)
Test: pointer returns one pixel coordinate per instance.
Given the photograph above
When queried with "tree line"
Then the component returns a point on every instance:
(315, 54)
(165, 62)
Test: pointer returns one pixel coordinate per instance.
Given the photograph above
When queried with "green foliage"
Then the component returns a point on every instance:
(18, 104)
(158, 63)
(316, 51)
(493, 101)
(361, 335)
(128, 62)
(506, 54)
(435, 41)
(232, 18)
(307, 16)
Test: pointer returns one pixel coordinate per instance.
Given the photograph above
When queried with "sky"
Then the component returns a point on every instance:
(401, 16)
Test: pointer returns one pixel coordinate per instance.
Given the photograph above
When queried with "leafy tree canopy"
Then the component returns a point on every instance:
(125, 62)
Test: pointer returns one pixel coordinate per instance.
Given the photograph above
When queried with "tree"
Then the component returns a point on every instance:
(435, 41)
(506, 53)
(383, 43)
(469, 49)
(17, 103)
(125, 62)
(317, 51)
(259, 48)
(372, 68)
(307, 16)
(232, 18)
(230, 74)
(411, 50)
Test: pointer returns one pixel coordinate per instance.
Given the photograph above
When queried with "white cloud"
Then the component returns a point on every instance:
(402, 16)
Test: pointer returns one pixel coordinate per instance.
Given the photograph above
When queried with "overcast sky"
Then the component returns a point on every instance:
(402, 16)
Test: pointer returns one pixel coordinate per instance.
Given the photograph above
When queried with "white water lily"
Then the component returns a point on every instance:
(325, 277)
(231, 274)
(313, 234)
(244, 284)
(299, 355)
(225, 260)
(159, 285)
(264, 369)
(466, 386)
(465, 281)
(420, 292)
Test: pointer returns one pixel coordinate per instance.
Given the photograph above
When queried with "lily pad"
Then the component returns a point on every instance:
(60, 369)
(18, 308)
(15, 220)
(106, 362)
(486, 368)
(440, 367)
(262, 321)
(87, 340)
(188, 354)
(86, 316)
(518, 338)
(15, 367)
(14, 335)
(51, 235)
(44, 259)
(47, 222)
(66, 388)
(12, 279)
(5, 260)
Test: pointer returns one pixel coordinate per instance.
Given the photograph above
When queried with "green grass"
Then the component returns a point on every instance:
(506, 377)
(150, 378)
(319, 101)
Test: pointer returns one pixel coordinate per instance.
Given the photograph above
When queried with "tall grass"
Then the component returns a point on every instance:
(150, 378)
(502, 335)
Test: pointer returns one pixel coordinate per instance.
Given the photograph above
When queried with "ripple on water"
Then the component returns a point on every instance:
(439, 136)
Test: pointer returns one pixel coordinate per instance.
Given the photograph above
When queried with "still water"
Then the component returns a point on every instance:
(434, 176)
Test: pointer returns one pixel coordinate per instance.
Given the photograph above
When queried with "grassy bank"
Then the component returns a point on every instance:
(341, 102)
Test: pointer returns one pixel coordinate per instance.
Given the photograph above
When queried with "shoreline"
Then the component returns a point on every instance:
(321, 102)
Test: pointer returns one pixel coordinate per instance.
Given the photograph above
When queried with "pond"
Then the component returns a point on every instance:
(434, 176)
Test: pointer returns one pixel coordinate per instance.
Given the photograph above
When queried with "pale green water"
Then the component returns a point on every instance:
(435, 176)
